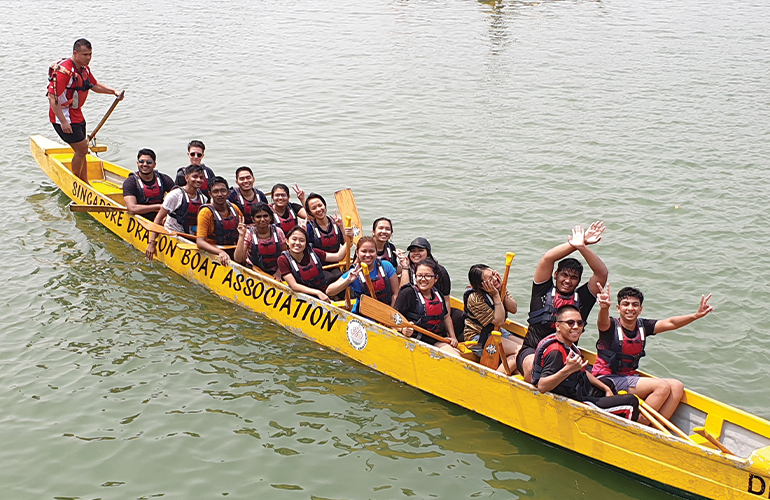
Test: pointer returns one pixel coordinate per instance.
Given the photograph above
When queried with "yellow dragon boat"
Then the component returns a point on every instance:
(689, 465)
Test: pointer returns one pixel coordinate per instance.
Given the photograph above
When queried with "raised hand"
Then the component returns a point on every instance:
(241, 226)
(491, 289)
(603, 297)
(353, 274)
(574, 363)
(496, 280)
(300, 192)
(403, 258)
(577, 239)
(594, 232)
(704, 307)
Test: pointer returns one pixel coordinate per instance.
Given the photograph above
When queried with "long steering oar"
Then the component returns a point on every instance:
(383, 313)
(347, 262)
(347, 207)
(92, 135)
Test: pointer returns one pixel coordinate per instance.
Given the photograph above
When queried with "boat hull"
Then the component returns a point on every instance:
(642, 452)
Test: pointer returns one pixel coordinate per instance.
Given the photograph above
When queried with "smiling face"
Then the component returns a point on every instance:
(245, 180)
(296, 243)
(317, 208)
(382, 231)
(425, 278)
(569, 334)
(195, 154)
(629, 310)
(367, 253)
(417, 254)
(566, 281)
(280, 198)
(194, 180)
(145, 164)
(490, 276)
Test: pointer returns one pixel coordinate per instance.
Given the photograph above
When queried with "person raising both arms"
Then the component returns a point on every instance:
(485, 311)
(144, 189)
(425, 306)
(621, 345)
(245, 195)
(69, 81)
(550, 293)
(287, 214)
(300, 266)
(179, 211)
(218, 222)
(382, 230)
(559, 367)
(381, 272)
(195, 152)
(261, 244)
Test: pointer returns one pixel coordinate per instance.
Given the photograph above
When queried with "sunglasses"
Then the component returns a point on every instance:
(571, 323)
(196, 155)
(148, 162)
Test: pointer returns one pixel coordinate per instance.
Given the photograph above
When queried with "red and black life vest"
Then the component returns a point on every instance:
(468, 315)
(553, 301)
(225, 229)
(289, 222)
(381, 284)
(328, 241)
(311, 275)
(577, 385)
(264, 254)
(430, 313)
(389, 254)
(187, 212)
(79, 82)
(246, 205)
(150, 194)
(622, 357)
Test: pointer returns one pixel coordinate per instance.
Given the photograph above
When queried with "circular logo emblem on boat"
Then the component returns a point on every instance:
(491, 349)
(397, 319)
(356, 334)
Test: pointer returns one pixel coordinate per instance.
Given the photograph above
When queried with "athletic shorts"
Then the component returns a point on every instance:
(78, 132)
(478, 350)
(622, 382)
(523, 353)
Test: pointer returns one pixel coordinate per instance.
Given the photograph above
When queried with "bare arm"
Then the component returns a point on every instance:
(545, 266)
(340, 254)
(574, 363)
(450, 328)
(666, 325)
(394, 289)
(56, 107)
(599, 384)
(289, 279)
(103, 89)
(136, 209)
(150, 252)
(343, 282)
(603, 298)
(240, 253)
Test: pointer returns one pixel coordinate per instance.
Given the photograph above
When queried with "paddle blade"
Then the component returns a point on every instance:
(346, 204)
(379, 312)
(96, 208)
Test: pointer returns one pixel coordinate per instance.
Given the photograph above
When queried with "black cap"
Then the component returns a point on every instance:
(419, 243)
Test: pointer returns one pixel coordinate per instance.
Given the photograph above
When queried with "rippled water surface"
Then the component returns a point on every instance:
(485, 126)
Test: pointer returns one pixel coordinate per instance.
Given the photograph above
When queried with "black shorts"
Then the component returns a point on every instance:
(78, 132)
(523, 353)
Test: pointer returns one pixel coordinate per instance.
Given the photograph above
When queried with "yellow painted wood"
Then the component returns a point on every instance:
(640, 450)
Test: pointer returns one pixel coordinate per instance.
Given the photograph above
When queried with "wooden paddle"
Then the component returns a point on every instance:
(347, 207)
(369, 284)
(347, 263)
(383, 313)
(193, 246)
(96, 208)
(333, 266)
(92, 135)
(157, 228)
(508, 259)
(701, 431)
(494, 353)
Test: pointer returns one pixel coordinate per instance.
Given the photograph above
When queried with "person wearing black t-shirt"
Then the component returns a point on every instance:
(548, 294)
(143, 190)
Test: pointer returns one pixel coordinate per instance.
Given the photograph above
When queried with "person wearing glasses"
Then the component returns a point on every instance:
(143, 190)
(621, 344)
(425, 306)
(195, 151)
(549, 293)
(559, 367)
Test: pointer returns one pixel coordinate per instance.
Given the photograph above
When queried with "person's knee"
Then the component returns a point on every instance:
(676, 388)
(662, 388)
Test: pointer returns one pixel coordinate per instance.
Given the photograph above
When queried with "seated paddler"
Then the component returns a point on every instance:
(382, 230)
(622, 342)
(218, 221)
(244, 194)
(195, 152)
(325, 231)
(559, 367)
(287, 213)
(425, 306)
(300, 266)
(260, 244)
(381, 272)
(486, 310)
(143, 190)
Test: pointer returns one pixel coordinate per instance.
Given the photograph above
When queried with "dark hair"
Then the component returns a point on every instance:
(475, 274)
(146, 152)
(313, 196)
(196, 144)
(80, 43)
(432, 264)
(374, 224)
(218, 180)
(280, 186)
(262, 207)
(630, 292)
(295, 229)
(565, 309)
(241, 169)
(191, 169)
(570, 263)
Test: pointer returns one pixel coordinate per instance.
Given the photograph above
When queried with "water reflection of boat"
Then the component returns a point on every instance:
(690, 465)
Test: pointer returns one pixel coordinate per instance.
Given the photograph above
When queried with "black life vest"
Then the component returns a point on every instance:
(187, 212)
(288, 223)
(389, 254)
(429, 314)
(225, 230)
(208, 176)
(468, 315)
(77, 82)
(577, 385)
(150, 194)
(328, 241)
(553, 301)
(245, 205)
(624, 354)
(381, 284)
(311, 275)
(264, 254)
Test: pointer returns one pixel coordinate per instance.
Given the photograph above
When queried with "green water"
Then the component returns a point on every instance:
(484, 126)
